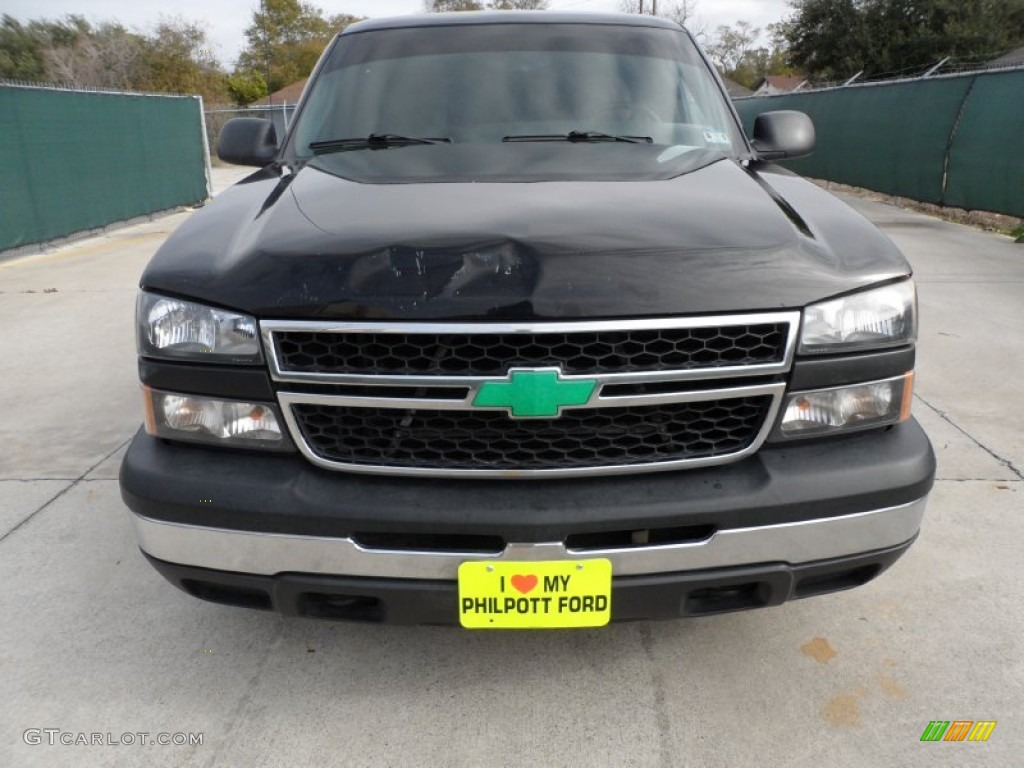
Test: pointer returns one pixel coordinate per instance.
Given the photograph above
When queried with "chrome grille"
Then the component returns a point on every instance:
(494, 354)
(400, 398)
(490, 440)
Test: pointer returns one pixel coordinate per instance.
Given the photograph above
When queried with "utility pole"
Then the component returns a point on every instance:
(266, 52)
(654, 7)
(641, 7)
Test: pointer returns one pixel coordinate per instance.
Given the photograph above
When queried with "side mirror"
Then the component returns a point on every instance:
(783, 134)
(247, 141)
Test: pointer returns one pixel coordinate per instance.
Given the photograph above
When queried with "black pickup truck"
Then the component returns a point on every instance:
(515, 328)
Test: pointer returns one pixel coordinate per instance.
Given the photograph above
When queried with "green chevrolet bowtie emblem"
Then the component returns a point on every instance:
(534, 394)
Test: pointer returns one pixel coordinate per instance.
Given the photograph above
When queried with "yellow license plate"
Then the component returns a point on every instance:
(537, 595)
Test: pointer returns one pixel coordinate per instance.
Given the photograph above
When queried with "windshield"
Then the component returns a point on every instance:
(471, 101)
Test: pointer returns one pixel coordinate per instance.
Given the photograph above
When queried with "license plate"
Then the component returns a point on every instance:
(535, 595)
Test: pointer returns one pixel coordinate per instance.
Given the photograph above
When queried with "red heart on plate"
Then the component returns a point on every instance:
(524, 583)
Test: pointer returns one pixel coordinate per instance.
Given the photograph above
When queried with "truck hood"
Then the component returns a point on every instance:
(305, 243)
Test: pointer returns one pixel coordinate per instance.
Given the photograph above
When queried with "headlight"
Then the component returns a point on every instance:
(881, 317)
(172, 328)
(208, 420)
(844, 409)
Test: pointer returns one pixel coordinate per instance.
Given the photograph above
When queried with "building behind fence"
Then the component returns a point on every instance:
(951, 140)
(79, 160)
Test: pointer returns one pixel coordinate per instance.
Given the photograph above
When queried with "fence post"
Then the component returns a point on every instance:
(206, 149)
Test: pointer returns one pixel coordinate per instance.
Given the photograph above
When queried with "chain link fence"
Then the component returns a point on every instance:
(216, 116)
(952, 140)
(83, 159)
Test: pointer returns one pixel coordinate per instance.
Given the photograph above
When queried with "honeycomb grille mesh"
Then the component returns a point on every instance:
(494, 354)
(490, 440)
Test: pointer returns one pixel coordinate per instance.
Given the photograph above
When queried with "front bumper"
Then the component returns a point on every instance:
(421, 601)
(272, 531)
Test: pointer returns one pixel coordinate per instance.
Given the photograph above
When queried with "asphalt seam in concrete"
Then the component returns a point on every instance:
(64, 490)
(945, 417)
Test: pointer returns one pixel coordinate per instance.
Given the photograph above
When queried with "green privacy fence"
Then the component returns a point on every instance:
(78, 160)
(952, 140)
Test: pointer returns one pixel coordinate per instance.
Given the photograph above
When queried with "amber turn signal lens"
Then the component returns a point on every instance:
(198, 419)
(908, 396)
(849, 408)
(147, 405)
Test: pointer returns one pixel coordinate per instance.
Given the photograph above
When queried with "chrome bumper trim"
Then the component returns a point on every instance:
(268, 554)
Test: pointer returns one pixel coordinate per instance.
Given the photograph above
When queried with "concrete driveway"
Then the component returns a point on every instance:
(92, 640)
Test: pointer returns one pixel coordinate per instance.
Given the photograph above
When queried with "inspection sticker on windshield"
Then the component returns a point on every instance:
(539, 595)
(713, 136)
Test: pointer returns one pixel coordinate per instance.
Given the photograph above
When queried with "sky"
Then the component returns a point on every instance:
(226, 20)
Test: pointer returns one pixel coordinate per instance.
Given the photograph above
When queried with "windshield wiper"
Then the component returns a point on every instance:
(581, 136)
(374, 141)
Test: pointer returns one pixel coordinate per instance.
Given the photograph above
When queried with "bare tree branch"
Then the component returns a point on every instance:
(682, 12)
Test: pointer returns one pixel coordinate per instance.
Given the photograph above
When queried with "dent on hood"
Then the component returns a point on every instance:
(494, 268)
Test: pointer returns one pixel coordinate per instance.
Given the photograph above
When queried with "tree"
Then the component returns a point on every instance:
(518, 5)
(731, 45)
(682, 12)
(246, 88)
(285, 40)
(180, 59)
(736, 53)
(834, 39)
(827, 39)
(175, 57)
(444, 6)
(776, 59)
(447, 6)
(104, 56)
(21, 56)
